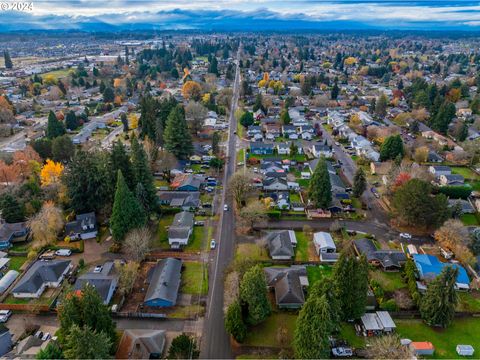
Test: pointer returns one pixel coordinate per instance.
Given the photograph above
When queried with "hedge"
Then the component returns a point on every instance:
(456, 192)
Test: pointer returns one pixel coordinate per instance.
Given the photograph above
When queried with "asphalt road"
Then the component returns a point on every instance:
(215, 341)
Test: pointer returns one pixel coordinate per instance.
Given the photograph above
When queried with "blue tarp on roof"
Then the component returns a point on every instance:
(430, 266)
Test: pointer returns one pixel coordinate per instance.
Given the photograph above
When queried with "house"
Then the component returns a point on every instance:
(438, 170)
(163, 283)
(186, 200)
(283, 149)
(9, 232)
(336, 184)
(451, 180)
(260, 148)
(83, 227)
(421, 348)
(187, 182)
(429, 267)
(283, 200)
(272, 132)
(390, 260)
(324, 243)
(321, 149)
(104, 281)
(5, 340)
(462, 206)
(254, 130)
(7, 280)
(275, 184)
(281, 243)
(141, 344)
(306, 135)
(377, 323)
(434, 157)
(180, 230)
(39, 276)
(289, 132)
(288, 284)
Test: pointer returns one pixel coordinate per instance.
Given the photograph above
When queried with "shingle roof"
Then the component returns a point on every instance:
(387, 258)
(39, 273)
(165, 280)
(280, 244)
(100, 281)
(287, 284)
(181, 225)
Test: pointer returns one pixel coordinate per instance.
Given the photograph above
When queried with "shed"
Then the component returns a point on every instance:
(422, 348)
(465, 350)
(324, 243)
(8, 280)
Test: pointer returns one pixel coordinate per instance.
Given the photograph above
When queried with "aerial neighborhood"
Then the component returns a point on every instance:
(186, 195)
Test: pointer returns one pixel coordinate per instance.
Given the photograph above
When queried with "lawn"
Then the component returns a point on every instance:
(301, 250)
(315, 272)
(186, 312)
(161, 238)
(356, 203)
(267, 333)
(196, 240)
(20, 247)
(57, 74)
(194, 278)
(461, 331)
(469, 301)
(251, 251)
(16, 262)
(389, 281)
(347, 333)
(466, 172)
(241, 155)
(469, 219)
(295, 198)
(303, 182)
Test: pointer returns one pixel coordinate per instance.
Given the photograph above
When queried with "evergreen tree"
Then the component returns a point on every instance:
(43, 147)
(54, 126)
(51, 351)
(439, 302)
(213, 68)
(108, 95)
(246, 119)
(350, 278)
(258, 103)
(234, 322)
(120, 160)
(320, 189)
(215, 143)
(63, 149)
(177, 138)
(313, 328)
(359, 183)
(391, 148)
(84, 343)
(285, 117)
(148, 117)
(127, 213)
(443, 117)
(183, 347)
(381, 106)
(95, 72)
(71, 121)
(8, 60)
(253, 295)
(12, 210)
(124, 120)
(335, 91)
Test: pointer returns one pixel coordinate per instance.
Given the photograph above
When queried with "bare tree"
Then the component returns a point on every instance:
(46, 224)
(454, 236)
(137, 243)
(127, 274)
(388, 347)
(240, 186)
(195, 113)
(253, 213)
(165, 162)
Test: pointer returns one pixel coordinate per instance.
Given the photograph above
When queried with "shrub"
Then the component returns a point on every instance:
(389, 305)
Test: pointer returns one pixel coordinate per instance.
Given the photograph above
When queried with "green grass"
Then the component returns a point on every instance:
(196, 239)
(301, 250)
(475, 185)
(356, 203)
(303, 183)
(469, 219)
(194, 279)
(347, 333)
(16, 262)
(186, 312)
(250, 251)
(159, 182)
(469, 301)
(389, 281)
(206, 198)
(315, 273)
(266, 333)
(161, 239)
(241, 155)
(466, 172)
(20, 246)
(57, 74)
(295, 198)
(461, 331)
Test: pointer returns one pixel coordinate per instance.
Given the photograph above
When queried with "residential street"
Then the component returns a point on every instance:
(215, 340)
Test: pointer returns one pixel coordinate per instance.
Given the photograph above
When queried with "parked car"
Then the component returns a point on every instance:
(98, 269)
(5, 315)
(199, 223)
(240, 163)
(375, 192)
(63, 252)
(406, 236)
(342, 352)
(39, 334)
(46, 336)
(48, 255)
(213, 244)
(225, 207)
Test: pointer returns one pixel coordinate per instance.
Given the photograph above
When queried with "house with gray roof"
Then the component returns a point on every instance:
(104, 281)
(186, 200)
(141, 344)
(281, 243)
(163, 283)
(83, 227)
(288, 284)
(42, 274)
(10, 232)
(181, 229)
(390, 260)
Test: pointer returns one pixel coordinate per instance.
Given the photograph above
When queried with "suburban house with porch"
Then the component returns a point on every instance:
(83, 227)
(289, 285)
(181, 229)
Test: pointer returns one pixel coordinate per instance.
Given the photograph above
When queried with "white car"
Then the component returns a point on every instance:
(342, 352)
(213, 244)
(5, 315)
(225, 207)
(405, 236)
(63, 252)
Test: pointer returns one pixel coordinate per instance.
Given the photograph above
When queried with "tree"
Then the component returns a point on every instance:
(43, 147)
(142, 174)
(253, 213)
(253, 295)
(335, 91)
(320, 189)
(54, 126)
(177, 138)
(234, 322)
(215, 143)
(108, 95)
(127, 213)
(192, 90)
(387, 347)
(454, 236)
(239, 187)
(71, 121)
(127, 274)
(421, 154)
(359, 183)
(183, 347)
(414, 204)
(7, 59)
(137, 243)
(195, 114)
(285, 117)
(314, 326)
(51, 173)
(391, 148)
(258, 103)
(246, 119)
(63, 149)
(443, 117)
(165, 162)
(213, 67)
(84, 343)
(12, 210)
(124, 120)
(51, 351)
(381, 105)
(119, 160)
(46, 224)
(350, 278)
(437, 307)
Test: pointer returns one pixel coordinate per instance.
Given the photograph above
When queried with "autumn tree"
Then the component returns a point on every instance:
(51, 172)
(239, 187)
(127, 274)
(46, 224)
(381, 105)
(192, 90)
(453, 235)
(421, 154)
(254, 212)
(195, 114)
(387, 347)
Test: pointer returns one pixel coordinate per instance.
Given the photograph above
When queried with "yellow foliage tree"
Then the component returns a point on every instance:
(51, 172)
(49, 79)
(191, 90)
(262, 83)
(118, 82)
(350, 61)
(46, 224)
(132, 121)
(206, 98)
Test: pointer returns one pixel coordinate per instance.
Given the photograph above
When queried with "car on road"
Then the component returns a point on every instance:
(240, 163)
(199, 223)
(98, 269)
(342, 351)
(225, 207)
(46, 336)
(213, 244)
(5, 315)
(255, 170)
(375, 192)
(235, 132)
(63, 252)
(405, 235)
(337, 143)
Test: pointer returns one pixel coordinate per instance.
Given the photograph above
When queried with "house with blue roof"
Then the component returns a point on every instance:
(430, 266)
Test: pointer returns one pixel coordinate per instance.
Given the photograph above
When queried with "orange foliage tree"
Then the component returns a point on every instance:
(51, 172)
(191, 90)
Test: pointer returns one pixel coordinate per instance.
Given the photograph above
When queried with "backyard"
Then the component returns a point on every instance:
(276, 331)
(160, 241)
(194, 278)
(316, 272)
(389, 281)
(250, 251)
(302, 248)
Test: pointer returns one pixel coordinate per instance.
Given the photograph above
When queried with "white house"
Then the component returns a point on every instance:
(324, 243)
(181, 229)
(319, 150)
(439, 170)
